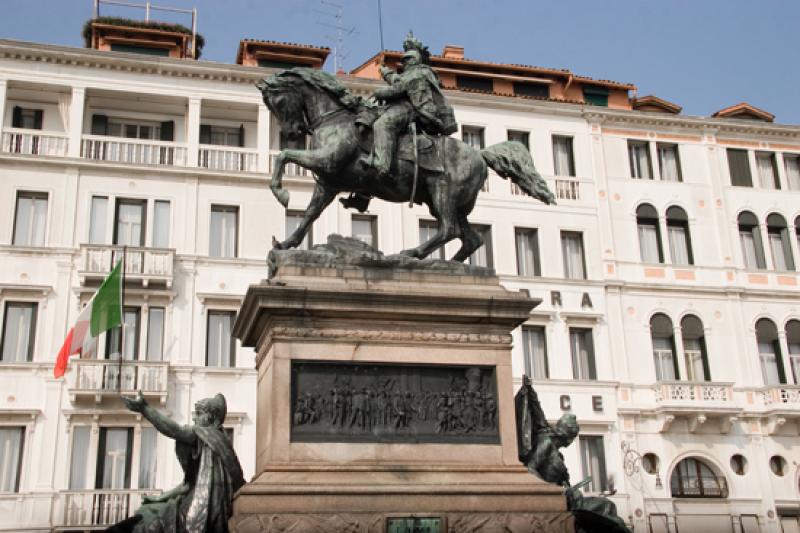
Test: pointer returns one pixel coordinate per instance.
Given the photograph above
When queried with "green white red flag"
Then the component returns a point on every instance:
(103, 312)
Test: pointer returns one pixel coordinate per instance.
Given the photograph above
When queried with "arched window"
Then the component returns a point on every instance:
(779, 243)
(692, 478)
(649, 234)
(769, 352)
(663, 348)
(694, 349)
(680, 245)
(793, 339)
(750, 236)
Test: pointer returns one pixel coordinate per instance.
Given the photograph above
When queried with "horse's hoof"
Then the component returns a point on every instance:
(411, 252)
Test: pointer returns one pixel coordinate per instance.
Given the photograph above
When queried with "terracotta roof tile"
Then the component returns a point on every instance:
(744, 108)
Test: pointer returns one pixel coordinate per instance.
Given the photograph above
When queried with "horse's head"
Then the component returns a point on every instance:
(284, 99)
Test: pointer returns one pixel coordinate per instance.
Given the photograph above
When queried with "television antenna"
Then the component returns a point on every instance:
(333, 11)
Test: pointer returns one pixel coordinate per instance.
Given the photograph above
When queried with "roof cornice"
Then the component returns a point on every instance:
(712, 125)
(130, 62)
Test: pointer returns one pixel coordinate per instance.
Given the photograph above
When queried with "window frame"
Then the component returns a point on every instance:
(683, 224)
(638, 143)
(232, 340)
(479, 131)
(23, 432)
(746, 181)
(579, 235)
(650, 220)
(528, 353)
(224, 208)
(678, 170)
(570, 152)
(109, 338)
(373, 227)
(577, 369)
(31, 332)
(695, 481)
(586, 444)
(142, 203)
(34, 196)
(485, 231)
(532, 235)
(99, 473)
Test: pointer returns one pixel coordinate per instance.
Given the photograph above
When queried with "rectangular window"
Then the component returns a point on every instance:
(161, 223)
(596, 96)
(669, 163)
(79, 458)
(115, 337)
(97, 220)
(220, 344)
(224, 234)
(221, 135)
(25, 118)
(365, 229)
(563, 158)
(535, 347)
(474, 83)
(767, 171)
(129, 223)
(155, 334)
(472, 136)
(639, 158)
(427, 229)
(293, 220)
(520, 136)
(593, 461)
(30, 219)
(572, 254)
(483, 256)
(19, 330)
(739, 167)
(533, 90)
(792, 165)
(12, 440)
(527, 240)
(130, 129)
(582, 349)
(114, 458)
(147, 458)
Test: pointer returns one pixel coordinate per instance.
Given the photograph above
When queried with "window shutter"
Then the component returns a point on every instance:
(241, 135)
(205, 134)
(38, 116)
(16, 117)
(168, 130)
(99, 125)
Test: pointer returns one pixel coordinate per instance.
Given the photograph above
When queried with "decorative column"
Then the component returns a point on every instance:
(3, 87)
(262, 141)
(75, 126)
(193, 132)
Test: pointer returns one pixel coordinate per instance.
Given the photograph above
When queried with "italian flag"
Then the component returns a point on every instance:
(103, 312)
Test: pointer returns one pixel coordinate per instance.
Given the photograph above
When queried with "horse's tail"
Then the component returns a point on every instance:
(510, 159)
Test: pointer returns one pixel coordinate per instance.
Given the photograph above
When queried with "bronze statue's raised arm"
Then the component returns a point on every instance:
(163, 424)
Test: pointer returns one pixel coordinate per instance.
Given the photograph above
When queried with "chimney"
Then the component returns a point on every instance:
(452, 51)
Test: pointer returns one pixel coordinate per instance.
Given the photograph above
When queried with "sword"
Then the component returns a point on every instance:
(413, 128)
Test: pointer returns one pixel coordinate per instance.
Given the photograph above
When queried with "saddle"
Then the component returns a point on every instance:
(429, 147)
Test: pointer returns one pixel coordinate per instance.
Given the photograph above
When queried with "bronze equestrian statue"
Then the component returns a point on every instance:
(439, 171)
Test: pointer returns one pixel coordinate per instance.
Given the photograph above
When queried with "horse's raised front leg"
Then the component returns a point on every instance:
(318, 161)
(320, 199)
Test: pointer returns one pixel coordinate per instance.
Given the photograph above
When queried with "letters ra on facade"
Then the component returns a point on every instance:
(343, 402)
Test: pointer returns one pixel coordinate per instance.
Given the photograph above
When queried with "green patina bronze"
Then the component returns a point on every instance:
(203, 502)
(362, 147)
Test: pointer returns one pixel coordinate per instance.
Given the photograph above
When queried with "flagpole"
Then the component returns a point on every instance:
(122, 323)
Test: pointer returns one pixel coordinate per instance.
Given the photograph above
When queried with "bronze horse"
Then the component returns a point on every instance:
(312, 102)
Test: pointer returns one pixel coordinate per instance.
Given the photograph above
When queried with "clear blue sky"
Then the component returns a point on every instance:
(701, 54)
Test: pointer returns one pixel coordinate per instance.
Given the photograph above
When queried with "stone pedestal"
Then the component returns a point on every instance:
(383, 395)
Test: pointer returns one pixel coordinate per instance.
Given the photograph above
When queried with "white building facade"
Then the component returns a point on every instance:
(670, 314)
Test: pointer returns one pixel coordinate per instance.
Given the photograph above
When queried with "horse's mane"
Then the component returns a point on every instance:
(321, 80)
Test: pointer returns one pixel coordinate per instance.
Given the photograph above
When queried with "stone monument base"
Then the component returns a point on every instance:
(385, 400)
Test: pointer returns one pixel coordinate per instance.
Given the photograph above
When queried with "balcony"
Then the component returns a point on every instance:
(133, 151)
(34, 142)
(227, 158)
(111, 377)
(96, 509)
(695, 401)
(563, 188)
(143, 265)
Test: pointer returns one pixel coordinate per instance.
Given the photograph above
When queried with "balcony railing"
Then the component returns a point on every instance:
(34, 142)
(782, 396)
(93, 508)
(96, 376)
(687, 391)
(227, 158)
(564, 189)
(290, 169)
(133, 151)
(141, 264)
